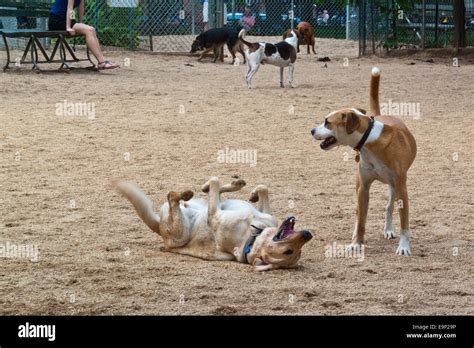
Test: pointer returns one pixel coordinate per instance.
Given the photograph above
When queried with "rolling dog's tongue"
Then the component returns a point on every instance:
(286, 232)
(286, 229)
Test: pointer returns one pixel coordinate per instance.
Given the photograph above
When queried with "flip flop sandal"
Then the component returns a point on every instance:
(103, 65)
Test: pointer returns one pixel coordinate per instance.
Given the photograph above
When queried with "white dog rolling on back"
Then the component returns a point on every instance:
(282, 54)
(218, 229)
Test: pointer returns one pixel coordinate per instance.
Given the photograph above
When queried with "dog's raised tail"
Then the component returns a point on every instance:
(241, 38)
(374, 92)
(142, 204)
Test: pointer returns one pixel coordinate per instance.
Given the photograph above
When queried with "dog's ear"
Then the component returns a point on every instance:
(362, 110)
(260, 266)
(352, 122)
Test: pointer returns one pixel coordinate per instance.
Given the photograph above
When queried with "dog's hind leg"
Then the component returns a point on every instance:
(174, 230)
(232, 49)
(404, 247)
(242, 52)
(281, 78)
(260, 195)
(253, 67)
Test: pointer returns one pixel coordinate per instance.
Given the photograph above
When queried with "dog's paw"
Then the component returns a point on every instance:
(174, 196)
(187, 195)
(239, 183)
(404, 248)
(389, 234)
(354, 246)
(253, 196)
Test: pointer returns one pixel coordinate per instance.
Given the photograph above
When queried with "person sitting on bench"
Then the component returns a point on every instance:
(60, 18)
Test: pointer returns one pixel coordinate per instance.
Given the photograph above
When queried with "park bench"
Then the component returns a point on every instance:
(34, 47)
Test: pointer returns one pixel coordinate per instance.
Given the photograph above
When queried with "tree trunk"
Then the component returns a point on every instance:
(459, 15)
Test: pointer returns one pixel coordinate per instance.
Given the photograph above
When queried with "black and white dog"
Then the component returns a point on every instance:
(214, 39)
(282, 54)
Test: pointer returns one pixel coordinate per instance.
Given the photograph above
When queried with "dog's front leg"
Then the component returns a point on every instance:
(281, 78)
(363, 188)
(312, 45)
(234, 186)
(176, 233)
(404, 247)
(206, 51)
(242, 52)
(291, 69)
(389, 231)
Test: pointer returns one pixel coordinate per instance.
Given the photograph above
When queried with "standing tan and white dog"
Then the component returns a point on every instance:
(220, 229)
(385, 151)
(282, 54)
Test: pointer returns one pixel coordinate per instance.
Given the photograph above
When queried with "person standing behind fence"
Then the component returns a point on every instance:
(205, 14)
(248, 20)
(60, 18)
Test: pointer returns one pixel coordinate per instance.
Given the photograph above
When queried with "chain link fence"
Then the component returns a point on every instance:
(392, 24)
(172, 25)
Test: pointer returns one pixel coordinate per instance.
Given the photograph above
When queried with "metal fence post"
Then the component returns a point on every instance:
(130, 23)
(347, 19)
(372, 25)
(436, 23)
(292, 14)
(193, 17)
(423, 25)
(96, 15)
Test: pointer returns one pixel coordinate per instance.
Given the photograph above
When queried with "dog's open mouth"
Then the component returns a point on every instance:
(286, 229)
(328, 142)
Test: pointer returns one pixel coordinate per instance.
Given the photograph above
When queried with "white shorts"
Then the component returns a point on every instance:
(205, 12)
(225, 13)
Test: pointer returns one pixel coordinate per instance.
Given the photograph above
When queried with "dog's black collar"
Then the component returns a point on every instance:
(249, 244)
(364, 137)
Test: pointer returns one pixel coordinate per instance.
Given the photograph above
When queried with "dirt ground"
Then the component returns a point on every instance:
(161, 121)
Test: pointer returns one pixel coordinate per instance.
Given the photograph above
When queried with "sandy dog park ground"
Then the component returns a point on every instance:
(163, 121)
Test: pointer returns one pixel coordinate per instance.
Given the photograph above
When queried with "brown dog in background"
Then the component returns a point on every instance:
(305, 37)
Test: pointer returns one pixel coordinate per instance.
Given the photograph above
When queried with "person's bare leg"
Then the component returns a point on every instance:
(92, 41)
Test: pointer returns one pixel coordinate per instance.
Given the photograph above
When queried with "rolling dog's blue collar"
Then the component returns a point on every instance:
(249, 244)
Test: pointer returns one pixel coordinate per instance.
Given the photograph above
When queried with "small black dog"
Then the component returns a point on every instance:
(214, 39)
